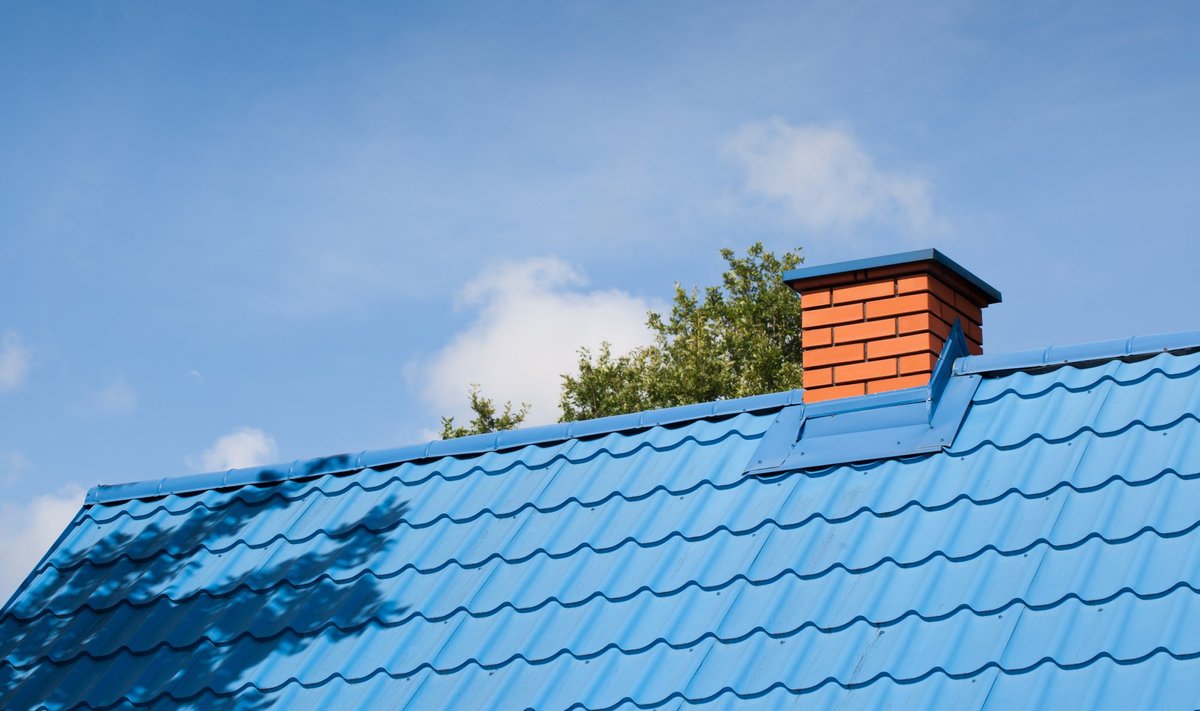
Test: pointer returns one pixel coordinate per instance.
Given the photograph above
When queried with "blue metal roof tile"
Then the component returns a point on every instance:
(1049, 556)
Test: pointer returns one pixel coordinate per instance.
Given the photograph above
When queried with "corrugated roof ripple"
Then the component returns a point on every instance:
(1051, 557)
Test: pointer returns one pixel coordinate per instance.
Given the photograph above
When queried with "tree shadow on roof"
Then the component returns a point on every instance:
(178, 608)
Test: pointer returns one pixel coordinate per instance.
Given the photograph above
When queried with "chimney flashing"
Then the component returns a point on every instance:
(898, 423)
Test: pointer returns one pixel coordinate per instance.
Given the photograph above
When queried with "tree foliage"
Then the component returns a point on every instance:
(486, 418)
(738, 338)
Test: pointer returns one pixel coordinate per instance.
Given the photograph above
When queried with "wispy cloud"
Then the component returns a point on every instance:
(116, 398)
(531, 317)
(243, 447)
(15, 358)
(13, 466)
(29, 528)
(820, 177)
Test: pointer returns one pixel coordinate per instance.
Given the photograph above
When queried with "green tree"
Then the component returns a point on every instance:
(486, 418)
(736, 339)
(739, 338)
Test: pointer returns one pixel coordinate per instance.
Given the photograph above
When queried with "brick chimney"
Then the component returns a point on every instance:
(874, 325)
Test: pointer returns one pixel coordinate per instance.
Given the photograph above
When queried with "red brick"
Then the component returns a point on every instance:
(923, 322)
(832, 356)
(913, 303)
(864, 331)
(932, 270)
(915, 343)
(868, 370)
(864, 292)
(817, 337)
(948, 313)
(814, 299)
(906, 381)
(963, 299)
(832, 315)
(858, 276)
(925, 282)
(835, 392)
(818, 377)
(919, 363)
(898, 270)
(912, 284)
(969, 310)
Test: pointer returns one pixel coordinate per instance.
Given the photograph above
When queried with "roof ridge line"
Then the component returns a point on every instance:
(1077, 353)
(460, 446)
(1054, 356)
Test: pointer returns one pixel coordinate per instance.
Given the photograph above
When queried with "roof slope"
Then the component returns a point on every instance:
(1050, 556)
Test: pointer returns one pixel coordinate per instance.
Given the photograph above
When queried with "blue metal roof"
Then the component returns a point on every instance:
(1050, 556)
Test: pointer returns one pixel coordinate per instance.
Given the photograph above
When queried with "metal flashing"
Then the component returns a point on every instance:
(779, 440)
(955, 348)
(896, 424)
(891, 260)
(459, 447)
(1077, 354)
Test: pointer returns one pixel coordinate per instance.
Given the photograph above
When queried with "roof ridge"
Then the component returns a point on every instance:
(1053, 356)
(460, 446)
(1075, 354)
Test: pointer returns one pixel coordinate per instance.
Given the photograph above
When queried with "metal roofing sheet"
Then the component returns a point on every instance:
(1051, 556)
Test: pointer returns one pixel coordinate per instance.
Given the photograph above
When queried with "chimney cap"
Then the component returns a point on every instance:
(852, 271)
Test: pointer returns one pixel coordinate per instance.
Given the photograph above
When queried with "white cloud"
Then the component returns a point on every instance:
(531, 318)
(244, 447)
(15, 357)
(823, 178)
(27, 530)
(118, 398)
(13, 465)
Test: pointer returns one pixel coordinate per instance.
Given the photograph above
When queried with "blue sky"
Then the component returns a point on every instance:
(233, 232)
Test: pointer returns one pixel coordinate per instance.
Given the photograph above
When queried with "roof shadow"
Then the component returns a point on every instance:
(153, 612)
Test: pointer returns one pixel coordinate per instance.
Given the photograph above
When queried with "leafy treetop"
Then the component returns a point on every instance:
(486, 418)
(739, 338)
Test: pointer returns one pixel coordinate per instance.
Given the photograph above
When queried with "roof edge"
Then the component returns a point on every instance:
(461, 446)
(1056, 356)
